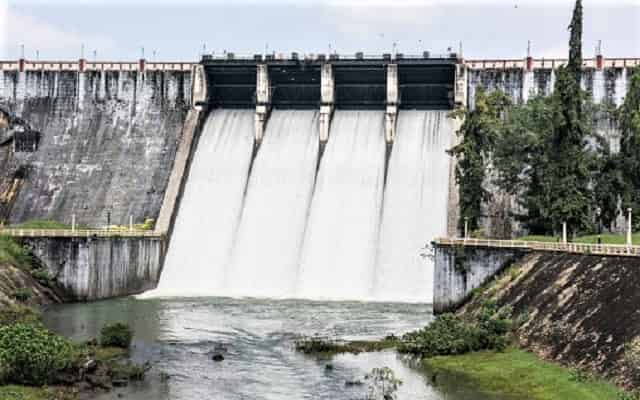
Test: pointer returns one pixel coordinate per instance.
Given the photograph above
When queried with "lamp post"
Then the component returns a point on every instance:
(564, 232)
(466, 227)
(108, 218)
(629, 238)
(599, 223)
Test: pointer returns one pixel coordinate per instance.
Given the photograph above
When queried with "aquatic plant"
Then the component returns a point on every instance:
(116, 335)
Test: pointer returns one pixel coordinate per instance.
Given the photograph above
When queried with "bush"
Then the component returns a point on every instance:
(451, 335)
(32, 355)
(42, 276)
(116, 335)
(22, 294)
(12, 253)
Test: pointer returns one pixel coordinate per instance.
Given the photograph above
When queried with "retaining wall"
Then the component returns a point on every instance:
(459, 270)
(93, 268)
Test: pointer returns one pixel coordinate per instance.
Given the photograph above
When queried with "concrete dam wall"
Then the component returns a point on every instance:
(107, 145)
(120, 140)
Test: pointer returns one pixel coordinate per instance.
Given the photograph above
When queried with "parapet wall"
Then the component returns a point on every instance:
(109, 135)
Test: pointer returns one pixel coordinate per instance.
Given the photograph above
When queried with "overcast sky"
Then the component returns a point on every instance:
(177, 30)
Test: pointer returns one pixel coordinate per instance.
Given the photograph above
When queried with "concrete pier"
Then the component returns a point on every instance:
(327, 94)
(391, 113)
(263, 101)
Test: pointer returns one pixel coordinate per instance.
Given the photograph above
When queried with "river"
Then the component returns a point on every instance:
(178, 336)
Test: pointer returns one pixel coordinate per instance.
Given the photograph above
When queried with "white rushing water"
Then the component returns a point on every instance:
(415, 205)
(210, 208)
(342, 231)
(267, 248)
(288, 230)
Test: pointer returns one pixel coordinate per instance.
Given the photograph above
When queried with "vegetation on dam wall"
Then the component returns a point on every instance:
(577, 310)
(22, 277)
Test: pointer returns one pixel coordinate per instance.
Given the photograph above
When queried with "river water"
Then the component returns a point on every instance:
(179, 336)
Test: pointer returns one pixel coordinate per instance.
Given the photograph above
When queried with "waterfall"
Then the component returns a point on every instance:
(341, 237)
(210, 208)
(267, 248)
(415, 205)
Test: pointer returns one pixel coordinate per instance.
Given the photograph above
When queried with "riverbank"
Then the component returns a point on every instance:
(517, 374)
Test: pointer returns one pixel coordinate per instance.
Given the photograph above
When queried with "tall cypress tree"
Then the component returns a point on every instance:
(575, 44)
(568, 181)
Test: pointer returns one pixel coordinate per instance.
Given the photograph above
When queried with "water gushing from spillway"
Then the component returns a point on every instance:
(210, 209)
(301, 228)
(415, 206)
(342, 233)
(267, 248)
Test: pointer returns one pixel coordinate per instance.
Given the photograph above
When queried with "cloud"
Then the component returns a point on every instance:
(47, 38)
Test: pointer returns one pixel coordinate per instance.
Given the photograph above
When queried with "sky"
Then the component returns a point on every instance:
(178, 30)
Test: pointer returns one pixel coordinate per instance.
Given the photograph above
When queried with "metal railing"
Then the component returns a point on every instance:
(579, 248)
(79, 233)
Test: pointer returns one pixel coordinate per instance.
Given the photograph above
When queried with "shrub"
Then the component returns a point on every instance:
(383, 384)
(42, 276)
(18, 314)
(12, 253)
(32, 355)
(22, 294)
(116, 335)
(451, 335)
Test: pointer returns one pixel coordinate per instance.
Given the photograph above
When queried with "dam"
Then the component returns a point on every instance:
(317, 177)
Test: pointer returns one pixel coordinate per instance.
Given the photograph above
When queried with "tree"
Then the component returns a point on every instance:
(521, 160)
(569, 190)
(629, 122)
(477, 140)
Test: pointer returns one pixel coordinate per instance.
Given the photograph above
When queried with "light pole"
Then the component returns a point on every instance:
(599, 227)
(466, 227)
(564, 232)
(629, 238)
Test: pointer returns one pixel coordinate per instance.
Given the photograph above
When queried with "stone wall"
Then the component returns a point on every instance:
(108, 142)
(95, 268)
(459, 270)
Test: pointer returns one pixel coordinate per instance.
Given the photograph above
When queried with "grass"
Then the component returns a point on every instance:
(42, 224)
(522, 375)
(607, 238)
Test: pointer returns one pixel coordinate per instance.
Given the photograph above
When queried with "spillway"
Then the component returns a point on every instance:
(290, 225)
(210, 209)
(342, 231)
(415, 206)
(267, 248)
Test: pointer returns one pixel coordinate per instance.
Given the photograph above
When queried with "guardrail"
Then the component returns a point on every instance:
(579, 248)
(80, 233)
